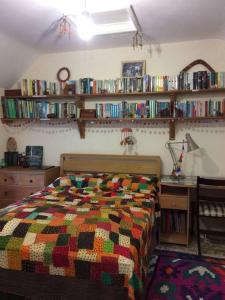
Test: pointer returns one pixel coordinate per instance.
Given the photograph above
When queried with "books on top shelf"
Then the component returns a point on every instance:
(201, 80)
(34, 109)
(146, 83)
(161, 83)
(31, 87)
(119, 85)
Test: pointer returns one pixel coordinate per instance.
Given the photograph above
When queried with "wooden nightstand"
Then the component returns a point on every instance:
(174, 200)
(17, 183)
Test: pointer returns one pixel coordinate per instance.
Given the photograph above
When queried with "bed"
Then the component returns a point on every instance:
(89, 235)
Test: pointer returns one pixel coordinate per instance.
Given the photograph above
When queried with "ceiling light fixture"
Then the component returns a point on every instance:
(108, 22)
(85, 25)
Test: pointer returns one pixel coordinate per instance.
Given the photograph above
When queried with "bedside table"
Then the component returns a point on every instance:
(174, 201)
(17, 182)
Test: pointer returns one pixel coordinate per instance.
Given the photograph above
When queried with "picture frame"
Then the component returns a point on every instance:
(34, 156)
(133, 68)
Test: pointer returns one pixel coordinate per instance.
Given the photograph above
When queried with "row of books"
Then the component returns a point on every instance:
(199, 108)
(173, 221)
(143, 84)
(201, 80)
(119, 85)
(183, 81)
(149, 109)
(30, 109)
(33, 108)
(188, 81)
(32, 87)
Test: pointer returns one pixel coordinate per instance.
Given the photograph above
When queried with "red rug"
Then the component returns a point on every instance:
(177, 276)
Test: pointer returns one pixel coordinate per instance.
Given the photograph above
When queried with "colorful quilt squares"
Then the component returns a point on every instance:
(83, 227)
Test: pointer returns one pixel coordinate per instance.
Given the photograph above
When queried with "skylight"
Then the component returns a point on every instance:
(115, 21)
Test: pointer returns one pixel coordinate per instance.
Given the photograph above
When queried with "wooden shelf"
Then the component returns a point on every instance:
(82, 121)
(216, 118)
(126, 119)
(136, 94)
(204, 91)
(160, 93)
(174, 238)
(80, 99)
(42, 97)
(5, 120)
(139, 94)
(167, 119)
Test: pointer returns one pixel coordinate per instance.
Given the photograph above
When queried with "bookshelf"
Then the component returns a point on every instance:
(51, 108)
(173, 96)
(79, 100)
(175, 205)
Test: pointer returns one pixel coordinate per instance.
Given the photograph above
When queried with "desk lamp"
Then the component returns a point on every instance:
(191, 146)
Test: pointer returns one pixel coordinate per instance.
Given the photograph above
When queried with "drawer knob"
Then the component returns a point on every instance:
(5, 179)
(31, 180)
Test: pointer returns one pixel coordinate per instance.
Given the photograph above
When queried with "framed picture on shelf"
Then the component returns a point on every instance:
(133, 68)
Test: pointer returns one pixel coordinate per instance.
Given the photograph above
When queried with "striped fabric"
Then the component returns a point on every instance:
(209, 209)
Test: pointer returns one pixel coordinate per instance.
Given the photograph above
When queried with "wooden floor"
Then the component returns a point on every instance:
(209, 248)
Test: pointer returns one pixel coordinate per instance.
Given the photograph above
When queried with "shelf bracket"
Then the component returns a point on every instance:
(172, 129)
(81, 128)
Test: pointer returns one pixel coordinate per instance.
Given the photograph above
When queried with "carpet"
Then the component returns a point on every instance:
(177, 276)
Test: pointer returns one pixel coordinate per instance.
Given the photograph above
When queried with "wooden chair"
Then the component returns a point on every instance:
(210, 204)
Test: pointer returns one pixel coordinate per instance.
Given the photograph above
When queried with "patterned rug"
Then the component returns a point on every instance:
(176, 276)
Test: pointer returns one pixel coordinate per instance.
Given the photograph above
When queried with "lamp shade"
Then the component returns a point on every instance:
(191, 145)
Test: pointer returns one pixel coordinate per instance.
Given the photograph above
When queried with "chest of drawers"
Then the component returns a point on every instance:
(17, 183)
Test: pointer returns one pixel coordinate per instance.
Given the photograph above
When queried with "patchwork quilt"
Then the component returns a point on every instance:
(84, 226)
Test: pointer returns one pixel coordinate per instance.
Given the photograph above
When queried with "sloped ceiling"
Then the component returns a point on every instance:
(29, 28)
(15, 57)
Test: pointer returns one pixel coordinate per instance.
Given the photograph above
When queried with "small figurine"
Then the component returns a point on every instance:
(126, 137)
(128, 141)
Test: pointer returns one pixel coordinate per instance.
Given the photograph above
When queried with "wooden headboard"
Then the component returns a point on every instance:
(132, 164)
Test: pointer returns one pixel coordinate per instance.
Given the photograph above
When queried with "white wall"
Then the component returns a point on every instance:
(164, 59)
